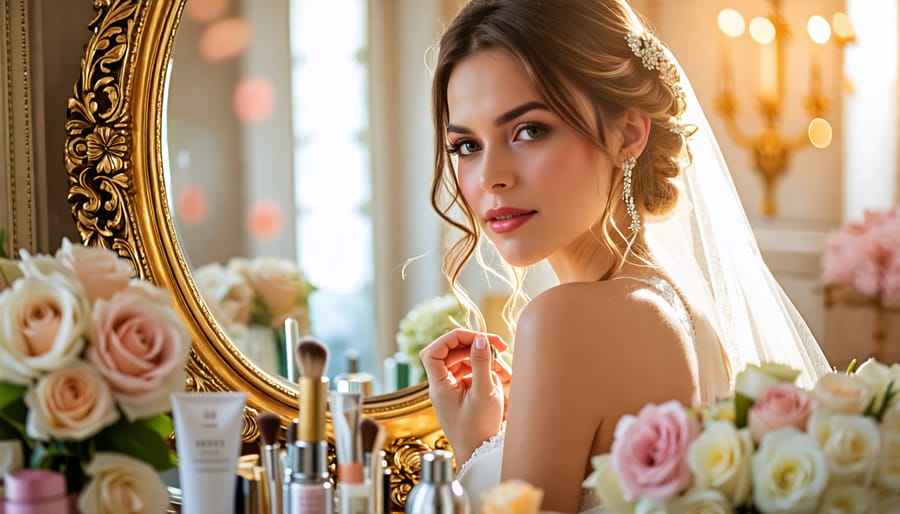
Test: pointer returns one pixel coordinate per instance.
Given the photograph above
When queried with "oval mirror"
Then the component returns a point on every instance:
(126, 157)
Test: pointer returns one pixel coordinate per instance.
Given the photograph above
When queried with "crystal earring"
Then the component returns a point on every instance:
(628, 195)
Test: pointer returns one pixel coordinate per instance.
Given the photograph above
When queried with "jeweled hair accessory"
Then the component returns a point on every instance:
(654, 57)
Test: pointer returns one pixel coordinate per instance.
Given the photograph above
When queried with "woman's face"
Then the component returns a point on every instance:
(536, 185)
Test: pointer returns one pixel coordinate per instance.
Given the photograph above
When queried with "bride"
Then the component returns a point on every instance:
(567, 133)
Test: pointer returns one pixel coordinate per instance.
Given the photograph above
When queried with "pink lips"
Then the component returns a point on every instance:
(506, 219)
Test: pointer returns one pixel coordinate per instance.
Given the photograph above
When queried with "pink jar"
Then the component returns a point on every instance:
(35, 491)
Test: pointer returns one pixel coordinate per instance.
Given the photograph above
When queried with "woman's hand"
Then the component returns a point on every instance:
(467, 387)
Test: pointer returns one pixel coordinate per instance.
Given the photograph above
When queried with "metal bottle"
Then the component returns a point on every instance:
(437, 492)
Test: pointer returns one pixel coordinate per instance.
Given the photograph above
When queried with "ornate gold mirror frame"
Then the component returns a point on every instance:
(117, 187)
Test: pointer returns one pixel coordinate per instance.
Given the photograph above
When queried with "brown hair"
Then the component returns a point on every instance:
(567, 47)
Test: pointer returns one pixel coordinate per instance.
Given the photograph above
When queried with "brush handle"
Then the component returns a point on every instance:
(313, 401)
(272, 464)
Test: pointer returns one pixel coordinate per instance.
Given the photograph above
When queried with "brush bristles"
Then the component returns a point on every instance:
(268, 424)
(312, 356)
(369, 430)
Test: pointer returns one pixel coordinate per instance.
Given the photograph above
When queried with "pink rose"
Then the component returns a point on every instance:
(781, 405)
(649, 451)
(140, 347)
(101, 271)
(72, 403)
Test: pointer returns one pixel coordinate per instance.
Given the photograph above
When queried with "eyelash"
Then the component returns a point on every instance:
(454, 148)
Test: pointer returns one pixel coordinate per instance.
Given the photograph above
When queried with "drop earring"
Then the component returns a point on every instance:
(628, 195)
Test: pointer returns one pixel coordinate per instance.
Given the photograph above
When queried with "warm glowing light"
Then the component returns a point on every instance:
(819, 132)
(731, 23)
(762, 31)
(253, 99)
(843, 28)
(224, 39)
(265, 220)
(819, 29)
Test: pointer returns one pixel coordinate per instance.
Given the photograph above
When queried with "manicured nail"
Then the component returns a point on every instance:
(480, 342)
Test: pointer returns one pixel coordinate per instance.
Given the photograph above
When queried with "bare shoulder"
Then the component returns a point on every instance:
(610, 334)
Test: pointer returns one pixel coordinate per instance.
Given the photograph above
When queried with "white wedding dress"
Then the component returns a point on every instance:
(482, 471)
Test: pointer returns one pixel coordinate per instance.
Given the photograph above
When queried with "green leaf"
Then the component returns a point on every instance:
(161, 424)
(742, 404)
(10, 393)
(13, 410)
(141, 440)
(9, 431)
(851, 367)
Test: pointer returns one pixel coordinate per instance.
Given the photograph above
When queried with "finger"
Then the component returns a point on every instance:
(480, 361)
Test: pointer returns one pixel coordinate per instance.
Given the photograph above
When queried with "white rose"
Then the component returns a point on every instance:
(755, 379)
(720, 459)
(723, 410)
(281, 286)
(843, 394)
(847, 498)
(227, 289)
(605, 482)
(120, 484)
(71, 404)
(648, 506)
(43, 326)
(101, 271)
(787, 452)
(878, 376)
(851, 444)
(701, 501)
(11, 457)
(49, 266)
(887, 471)
(887, 502)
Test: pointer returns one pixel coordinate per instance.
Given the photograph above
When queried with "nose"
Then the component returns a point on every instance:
(497, 172)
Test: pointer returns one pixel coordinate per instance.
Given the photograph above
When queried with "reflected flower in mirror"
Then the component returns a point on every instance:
(424, 323)
(252, 298)
(88, 358)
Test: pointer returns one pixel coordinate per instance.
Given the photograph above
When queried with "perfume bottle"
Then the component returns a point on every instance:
(438, 492)
(35, 491)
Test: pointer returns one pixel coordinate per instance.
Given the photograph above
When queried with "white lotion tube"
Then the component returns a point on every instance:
(208, 440)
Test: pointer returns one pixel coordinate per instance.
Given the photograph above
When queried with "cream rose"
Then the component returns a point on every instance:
(887, 502)
(851, 444)
(120, 484)
(141, 349)
(701, 501)
(605, 482)
(512, 497)
(101, 271)
(648, 506)
(842, 394)
(281, 286)
(788, 453)
(878, 376)
(11, 457)
(43, 327)
(847, 498)
(887, 471)
(723, 410)
(72, 404)
(755, 379)
(720, 459)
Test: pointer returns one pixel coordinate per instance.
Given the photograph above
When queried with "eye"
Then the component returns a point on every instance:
(531, 132)
(463, 147)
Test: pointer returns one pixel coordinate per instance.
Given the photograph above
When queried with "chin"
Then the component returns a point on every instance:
(514, 254)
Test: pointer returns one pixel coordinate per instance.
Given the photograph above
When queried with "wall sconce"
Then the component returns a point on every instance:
(772, 148)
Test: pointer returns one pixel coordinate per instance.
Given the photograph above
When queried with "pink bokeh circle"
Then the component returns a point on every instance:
(254, 99)
(192, 205)
(204, 10)
(265, 220)
(224, 39)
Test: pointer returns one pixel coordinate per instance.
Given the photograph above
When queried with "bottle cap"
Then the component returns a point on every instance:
(437, 467)
(34, 485)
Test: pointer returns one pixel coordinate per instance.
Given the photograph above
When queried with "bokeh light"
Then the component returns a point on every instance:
(203, 11)
(731, 23)
(192, 205)
(265, 220)
(254, 99)
(819, 132)
(762, 31)
(819, 30)
(224, 39)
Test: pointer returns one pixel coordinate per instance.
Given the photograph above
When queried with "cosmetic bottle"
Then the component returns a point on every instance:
(35, 491)
(354, 380)
(437, 491)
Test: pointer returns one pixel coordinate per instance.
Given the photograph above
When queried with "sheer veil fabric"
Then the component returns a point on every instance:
(707, 245)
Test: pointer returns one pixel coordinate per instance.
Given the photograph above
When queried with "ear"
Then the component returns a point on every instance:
(634, 126)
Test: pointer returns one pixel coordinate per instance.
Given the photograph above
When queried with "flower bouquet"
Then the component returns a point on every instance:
(252, 298)
(88, 358)
(861, 276)
(424, 323)
(773, 447)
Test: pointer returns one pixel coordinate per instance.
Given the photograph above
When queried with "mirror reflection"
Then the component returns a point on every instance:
(272, 166)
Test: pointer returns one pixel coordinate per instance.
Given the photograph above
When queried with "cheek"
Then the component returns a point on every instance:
(468, 184)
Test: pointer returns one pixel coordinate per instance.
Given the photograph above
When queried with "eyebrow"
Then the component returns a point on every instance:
(503, 118)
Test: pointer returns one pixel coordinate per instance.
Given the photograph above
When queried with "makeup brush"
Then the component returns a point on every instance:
(372, 435)
(310, 490)
(269, 424)
(288, 463)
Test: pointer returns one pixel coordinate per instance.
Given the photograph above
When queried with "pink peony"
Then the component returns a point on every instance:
(863, 254)
(781, 405)
(649, 451)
